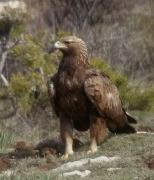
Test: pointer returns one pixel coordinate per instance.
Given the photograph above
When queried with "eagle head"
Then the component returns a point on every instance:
(71, 45)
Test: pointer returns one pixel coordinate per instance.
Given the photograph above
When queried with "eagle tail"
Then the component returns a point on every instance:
(127, 129)
(131, 119)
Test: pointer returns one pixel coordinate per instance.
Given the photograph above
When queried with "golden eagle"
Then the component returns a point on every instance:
(85, 98)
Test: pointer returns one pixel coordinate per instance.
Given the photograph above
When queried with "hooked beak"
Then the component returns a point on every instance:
(60, 45)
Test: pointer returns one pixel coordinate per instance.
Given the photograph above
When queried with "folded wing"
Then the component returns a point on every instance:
(105, 97)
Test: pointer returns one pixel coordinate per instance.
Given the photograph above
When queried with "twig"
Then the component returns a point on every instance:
(6, 83)
(89, 14)
(3, 59)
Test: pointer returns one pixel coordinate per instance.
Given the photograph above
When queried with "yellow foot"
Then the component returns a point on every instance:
(66, 155)
(92, 150)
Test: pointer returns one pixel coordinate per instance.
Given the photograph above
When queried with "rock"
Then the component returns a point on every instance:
(151, 164)
(4, 164)
(12, 5)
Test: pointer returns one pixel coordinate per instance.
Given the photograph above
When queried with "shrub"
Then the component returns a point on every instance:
(140, 98)
(117, 78)
(29, 53)
(20, 87)
(134, 97)
(37, 66)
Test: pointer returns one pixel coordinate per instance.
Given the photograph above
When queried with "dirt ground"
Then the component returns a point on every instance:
(119, 157)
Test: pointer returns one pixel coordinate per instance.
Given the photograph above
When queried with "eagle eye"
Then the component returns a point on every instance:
(67, 42)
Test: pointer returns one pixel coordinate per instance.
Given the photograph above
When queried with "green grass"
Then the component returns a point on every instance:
(6, 139)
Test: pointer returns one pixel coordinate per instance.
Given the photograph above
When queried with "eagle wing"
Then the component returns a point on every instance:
(105, 97)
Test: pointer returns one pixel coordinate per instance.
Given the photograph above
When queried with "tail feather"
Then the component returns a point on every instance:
(127, 129)
(131, 119)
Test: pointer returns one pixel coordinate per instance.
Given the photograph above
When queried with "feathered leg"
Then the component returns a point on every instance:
(66, 130)
(98, 132)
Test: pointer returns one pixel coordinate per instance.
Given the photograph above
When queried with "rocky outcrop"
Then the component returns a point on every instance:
(11, 4)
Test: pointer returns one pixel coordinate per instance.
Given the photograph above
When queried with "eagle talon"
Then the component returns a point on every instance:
(65, 156)
(91, 151)
(93, 146)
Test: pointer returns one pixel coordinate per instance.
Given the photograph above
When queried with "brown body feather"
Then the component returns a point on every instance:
(85, 98)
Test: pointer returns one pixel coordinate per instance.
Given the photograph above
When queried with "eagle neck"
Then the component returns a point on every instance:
(71, 63)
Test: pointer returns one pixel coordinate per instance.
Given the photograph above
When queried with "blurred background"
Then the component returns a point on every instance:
(120, 39)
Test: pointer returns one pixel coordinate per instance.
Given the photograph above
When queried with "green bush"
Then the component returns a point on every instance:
(134, 97)
(20, 87)
(35, 60)
(140, 98)
(29, 53)
(32, 54)
(117, 78)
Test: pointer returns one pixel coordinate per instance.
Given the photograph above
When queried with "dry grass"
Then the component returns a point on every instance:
(135, 151)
